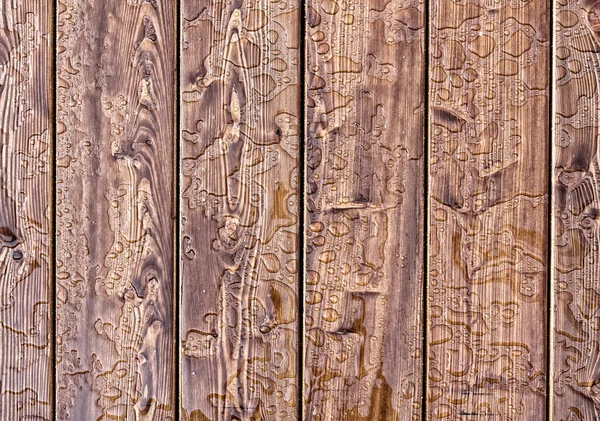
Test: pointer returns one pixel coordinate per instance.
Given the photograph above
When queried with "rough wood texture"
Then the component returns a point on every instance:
(575, 211)
(240, 148)
(365, 189)
(25, 220)
(242, 174)
(115, 157)
(488, 210)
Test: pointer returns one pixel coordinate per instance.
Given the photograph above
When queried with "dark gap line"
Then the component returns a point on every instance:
(53, 142)
(426, 140)
(550, 265)
(177, 214)
(302, 209)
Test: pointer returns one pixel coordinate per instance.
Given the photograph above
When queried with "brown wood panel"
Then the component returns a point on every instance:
(114, 212)
(489, 154)
(366, 73)
(576, 170)
(240, 148)
(25, 218)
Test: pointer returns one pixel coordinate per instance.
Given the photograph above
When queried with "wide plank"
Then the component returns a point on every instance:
(26, 291)
(240, 109)
(365, 190)
(575, 166)
(114, 214)
(488, 200)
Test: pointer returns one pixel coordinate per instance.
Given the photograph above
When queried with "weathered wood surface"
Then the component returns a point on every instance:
(488, 239)
(269, 330)
(114, 211)
(365, 103)
(576, 342)
(240, 192)
(25, 204)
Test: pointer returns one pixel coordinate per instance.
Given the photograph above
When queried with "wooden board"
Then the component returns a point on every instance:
(114, 211)
(489, 146)
(575, 211)
(25, 210)
(239, 202)
(365, 71)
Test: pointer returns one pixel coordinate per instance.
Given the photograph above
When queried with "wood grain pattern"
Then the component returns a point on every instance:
(114, 210)
(487, 309)
(575, 210)
(264, 329)
(240, 148)
(365, 192)
(25, 217)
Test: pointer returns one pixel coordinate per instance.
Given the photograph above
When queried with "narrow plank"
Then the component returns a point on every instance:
(575, 211)
(115, 176)
(25, 202)
(365, 192)
(488, 235)
(240, 149)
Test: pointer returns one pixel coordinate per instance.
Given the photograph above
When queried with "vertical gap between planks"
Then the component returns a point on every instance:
(302, 209)
(177, 214)
(426, 140)
(550, 227)
(52, 51)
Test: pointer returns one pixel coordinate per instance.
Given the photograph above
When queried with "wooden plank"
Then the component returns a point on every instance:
(488, 210)
(574, 212)
(25, 217)
(365, 194)
(240, 148)
(115, 176)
